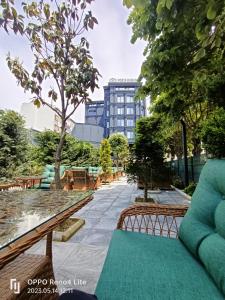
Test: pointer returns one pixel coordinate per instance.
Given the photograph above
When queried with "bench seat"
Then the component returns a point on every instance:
(144, 267)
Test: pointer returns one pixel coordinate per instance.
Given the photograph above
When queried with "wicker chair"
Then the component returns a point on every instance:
(34, 275)
(151, 218)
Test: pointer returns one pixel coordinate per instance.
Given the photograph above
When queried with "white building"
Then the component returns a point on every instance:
(43, 118)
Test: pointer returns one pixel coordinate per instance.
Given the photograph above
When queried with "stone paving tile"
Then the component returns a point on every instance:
(113, 213)
(86, 257)
(107, 224)
(91, 214)
(91, 222)
(80, 235)
(70, 278)
(98, 237)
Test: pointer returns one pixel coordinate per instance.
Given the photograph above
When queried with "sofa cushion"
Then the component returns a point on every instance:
(220, 219)
(207, 196)
(140, 266)
(212, 254)
(193, 232)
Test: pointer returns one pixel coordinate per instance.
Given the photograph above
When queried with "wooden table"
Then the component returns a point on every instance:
(6, 186)
(23, 223)
(29, 181)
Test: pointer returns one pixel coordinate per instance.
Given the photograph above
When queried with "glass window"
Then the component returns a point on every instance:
(130, 122)
(120, 122)
(130, 99)
(130, 111)
(120, 98)
(92, 110)
(107, 124)
(130, 134)
(120, 111)
(107, 113)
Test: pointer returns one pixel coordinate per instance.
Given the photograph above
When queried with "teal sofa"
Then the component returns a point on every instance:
(140, 266)
(49, 174)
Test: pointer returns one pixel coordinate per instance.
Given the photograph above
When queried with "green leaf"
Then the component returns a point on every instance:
(139, 3)
(169, 4)
(199, 55)
(37, 103)
(160, 6)
(198, 31)
(211, 13)
(128, 3)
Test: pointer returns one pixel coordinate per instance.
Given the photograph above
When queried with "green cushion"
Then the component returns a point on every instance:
(48, 180)
(94, 170)
(212, 254)
(49, 167)
(207, 196)
(45, 186)
(220, 219)
(143, 267)
(192, 232)
(46, 174)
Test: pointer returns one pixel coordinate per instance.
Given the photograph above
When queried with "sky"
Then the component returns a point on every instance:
(113, 54)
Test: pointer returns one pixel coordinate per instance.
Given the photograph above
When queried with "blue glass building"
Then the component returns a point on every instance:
(119, 111)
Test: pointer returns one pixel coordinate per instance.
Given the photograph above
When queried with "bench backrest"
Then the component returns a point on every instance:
(49, 172)
(203, 227)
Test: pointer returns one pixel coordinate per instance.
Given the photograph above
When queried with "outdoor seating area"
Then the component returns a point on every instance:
(79, 178)
(72, 178)
(153, 250)
(143, 266)
(112, 155)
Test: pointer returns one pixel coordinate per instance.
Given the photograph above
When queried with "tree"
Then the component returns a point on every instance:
(105, 157)
(13, 142)
(176, 15)
(62, 58)
(147, 153)
(213, 134)
(184, 77)
(75, 153)
(120, 149)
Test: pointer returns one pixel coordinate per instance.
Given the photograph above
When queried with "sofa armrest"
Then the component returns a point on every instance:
(152, 218)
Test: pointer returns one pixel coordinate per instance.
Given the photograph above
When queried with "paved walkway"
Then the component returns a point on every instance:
(78, 262)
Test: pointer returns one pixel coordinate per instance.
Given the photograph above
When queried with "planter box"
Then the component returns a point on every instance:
(63, 232)
(154, 191)
(141, 200)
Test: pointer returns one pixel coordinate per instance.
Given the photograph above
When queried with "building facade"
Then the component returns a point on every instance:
(94, 113)
(121, 109)
(88, 133)
(43, 118)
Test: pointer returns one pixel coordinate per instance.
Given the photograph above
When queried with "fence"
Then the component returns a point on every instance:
(195, 165)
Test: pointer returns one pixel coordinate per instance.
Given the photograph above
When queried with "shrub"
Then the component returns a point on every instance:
(105, 157)
(190, 188)
(213, 134)
(178, 182)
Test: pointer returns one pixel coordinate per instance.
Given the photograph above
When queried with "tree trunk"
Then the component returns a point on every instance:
(197, 147)
(58, 156)
(145, 191)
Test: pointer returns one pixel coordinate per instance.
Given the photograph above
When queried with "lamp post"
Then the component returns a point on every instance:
(184, 140)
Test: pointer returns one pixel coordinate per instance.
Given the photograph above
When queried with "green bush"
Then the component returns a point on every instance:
(213, 134)
(105, 157)
(75, 153)
(190, 188)
(178, 182)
